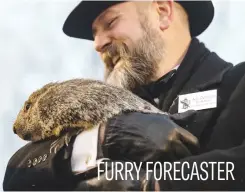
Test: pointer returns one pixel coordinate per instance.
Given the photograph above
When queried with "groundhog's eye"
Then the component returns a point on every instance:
(28, 105)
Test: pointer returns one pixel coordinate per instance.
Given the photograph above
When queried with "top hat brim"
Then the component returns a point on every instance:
(79, 22)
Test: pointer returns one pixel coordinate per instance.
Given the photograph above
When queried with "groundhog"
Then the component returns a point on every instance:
(61, 109)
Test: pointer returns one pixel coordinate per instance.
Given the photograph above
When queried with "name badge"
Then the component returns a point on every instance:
(197, 101)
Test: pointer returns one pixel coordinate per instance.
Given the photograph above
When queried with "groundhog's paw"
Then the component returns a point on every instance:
(62, 140)
(56, 145)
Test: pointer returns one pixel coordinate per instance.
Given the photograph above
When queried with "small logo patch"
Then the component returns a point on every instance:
(197, 101)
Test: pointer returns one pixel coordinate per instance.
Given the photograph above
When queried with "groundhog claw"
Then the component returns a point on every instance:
(63, 140)
(55, 145)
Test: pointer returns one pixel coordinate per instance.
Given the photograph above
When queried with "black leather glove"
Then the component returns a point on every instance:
(183, 119)
(146, 137)
(139, 138)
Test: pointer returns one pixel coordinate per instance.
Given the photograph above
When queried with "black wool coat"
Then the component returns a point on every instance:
(220, 130)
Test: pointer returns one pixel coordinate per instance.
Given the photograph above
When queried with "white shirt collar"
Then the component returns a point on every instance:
(176, 68)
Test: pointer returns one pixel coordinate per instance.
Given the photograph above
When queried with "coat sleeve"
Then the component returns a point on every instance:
(34, 168)
(225, 144)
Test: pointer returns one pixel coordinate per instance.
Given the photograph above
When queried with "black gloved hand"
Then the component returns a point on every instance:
(108, 178)
(146, 137)
(139, 138)
(182, 119)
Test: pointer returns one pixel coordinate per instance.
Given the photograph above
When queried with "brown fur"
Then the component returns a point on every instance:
(77, 103)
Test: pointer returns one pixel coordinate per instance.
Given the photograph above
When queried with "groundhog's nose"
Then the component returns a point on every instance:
(15, 132)
(27, 136)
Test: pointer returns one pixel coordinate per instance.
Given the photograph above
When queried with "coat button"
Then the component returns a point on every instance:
(39, 159)
(29, 163)
(34, 162)
(45, 157)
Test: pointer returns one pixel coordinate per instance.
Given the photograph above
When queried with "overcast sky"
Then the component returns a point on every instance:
(34, 51)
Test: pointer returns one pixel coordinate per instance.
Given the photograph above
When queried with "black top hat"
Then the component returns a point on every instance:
(79, 22)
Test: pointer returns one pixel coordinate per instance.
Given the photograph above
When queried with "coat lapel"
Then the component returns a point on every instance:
(200, 70)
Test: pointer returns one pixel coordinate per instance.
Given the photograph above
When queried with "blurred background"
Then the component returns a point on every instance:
(34, 51)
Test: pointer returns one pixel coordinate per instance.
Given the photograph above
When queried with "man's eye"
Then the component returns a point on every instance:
(111, 22)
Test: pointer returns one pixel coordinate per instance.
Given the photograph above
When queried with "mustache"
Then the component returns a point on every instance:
(114, 49)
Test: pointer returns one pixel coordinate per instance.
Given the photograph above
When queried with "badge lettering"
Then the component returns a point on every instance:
(197, 101)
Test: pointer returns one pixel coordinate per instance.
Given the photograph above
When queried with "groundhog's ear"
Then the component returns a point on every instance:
(49, 85)
(32, 98)
(45, 88)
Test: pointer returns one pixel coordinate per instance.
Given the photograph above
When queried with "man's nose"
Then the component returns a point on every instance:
(101, 42)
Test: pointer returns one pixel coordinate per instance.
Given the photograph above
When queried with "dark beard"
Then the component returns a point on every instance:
(139, 65)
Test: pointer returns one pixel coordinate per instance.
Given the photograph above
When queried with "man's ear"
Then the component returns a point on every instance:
(165, 12)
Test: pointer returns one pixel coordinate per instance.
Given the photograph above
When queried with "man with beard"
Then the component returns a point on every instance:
(151, 48)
